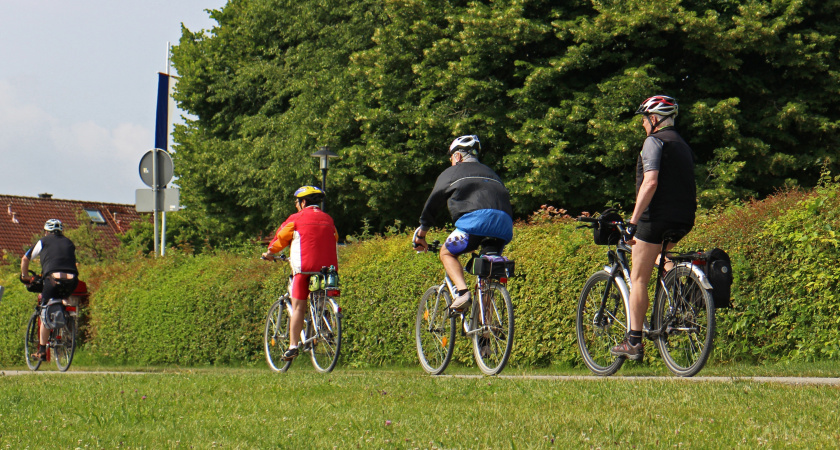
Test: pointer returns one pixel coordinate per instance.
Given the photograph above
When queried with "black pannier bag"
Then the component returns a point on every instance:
(719, 272)
(52, 315)
(491, 266)
(604, 233)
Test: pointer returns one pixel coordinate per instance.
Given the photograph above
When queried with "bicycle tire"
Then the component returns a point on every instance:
(434, 330)
(31, 341)
(689, 318)
(492, 347)
(326, 347)
(597, 336)
(276, 336)
(63, 342)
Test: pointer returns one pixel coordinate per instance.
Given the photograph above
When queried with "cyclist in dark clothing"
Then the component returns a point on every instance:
(478, 203)
(58, 269)
(666, 199)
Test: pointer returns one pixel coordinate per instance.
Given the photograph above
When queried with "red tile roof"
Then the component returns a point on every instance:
(21, 218)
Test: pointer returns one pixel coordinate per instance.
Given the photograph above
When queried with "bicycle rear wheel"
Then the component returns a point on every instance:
(64, 343)
(598, 330)
(327, 344)
(276, 336)
(434, 330)
(493, 343)
(31, 341)
(685, 313)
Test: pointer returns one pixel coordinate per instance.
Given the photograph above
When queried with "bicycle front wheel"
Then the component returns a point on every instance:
(601, 323)
(31, 342)
(327, 344)
(684, 312)
(277, 335)
(434, 330)
(64, 344)
(493, 339)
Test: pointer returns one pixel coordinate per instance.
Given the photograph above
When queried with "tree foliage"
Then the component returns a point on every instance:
(549, 87)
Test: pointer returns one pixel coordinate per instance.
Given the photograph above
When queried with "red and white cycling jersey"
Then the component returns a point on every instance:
(312, 238)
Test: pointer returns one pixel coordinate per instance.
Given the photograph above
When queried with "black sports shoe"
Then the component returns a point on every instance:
(632, 352)
(290, 354)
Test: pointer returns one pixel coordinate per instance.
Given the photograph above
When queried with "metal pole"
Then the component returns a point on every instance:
(323, 187)
(163, 213)
(155, 193)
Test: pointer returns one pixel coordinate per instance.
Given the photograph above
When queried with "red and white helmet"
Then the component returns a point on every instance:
(659, 104)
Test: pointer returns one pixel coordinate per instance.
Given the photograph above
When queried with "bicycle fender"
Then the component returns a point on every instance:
(701, 276)
(622, 286)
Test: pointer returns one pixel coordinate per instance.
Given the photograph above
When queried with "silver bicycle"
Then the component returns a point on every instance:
(321, 334)
(488, 323)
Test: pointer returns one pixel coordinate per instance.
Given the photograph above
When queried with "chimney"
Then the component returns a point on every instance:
(45, 195)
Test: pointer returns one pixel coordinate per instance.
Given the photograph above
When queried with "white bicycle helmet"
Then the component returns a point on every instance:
(659, 104)
(53, 225)
(468, 143)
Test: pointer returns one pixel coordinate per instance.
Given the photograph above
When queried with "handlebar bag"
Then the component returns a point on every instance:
(605, 233)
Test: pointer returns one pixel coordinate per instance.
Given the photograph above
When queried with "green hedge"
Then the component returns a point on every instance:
(209, 309)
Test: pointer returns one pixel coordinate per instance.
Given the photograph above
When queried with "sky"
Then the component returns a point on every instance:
(78, 87)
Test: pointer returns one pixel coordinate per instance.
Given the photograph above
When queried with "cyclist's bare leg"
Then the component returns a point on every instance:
(44, 337)
(645, 257)
(453, 268)
(296, 323)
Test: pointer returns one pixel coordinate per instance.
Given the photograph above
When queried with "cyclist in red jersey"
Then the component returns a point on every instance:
(312, 238)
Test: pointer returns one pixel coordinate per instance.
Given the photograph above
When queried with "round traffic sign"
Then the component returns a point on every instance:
(164, 168)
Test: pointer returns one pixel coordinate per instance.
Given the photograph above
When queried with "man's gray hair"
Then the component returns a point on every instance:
(467, 157)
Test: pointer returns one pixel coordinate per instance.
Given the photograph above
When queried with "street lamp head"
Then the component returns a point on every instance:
(325, 154)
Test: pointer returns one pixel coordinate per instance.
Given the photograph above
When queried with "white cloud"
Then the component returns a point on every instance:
(78, 160)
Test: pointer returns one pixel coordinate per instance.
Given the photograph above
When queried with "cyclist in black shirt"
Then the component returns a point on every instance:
(58, 269)
(666, 199)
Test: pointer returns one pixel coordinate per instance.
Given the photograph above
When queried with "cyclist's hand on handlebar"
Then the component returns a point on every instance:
(268, 256)
(26, 279)
(629, 233)
(419, 242)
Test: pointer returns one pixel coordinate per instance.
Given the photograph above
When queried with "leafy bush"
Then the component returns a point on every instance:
(210, 308)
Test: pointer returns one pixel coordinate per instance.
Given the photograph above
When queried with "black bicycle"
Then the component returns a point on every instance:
(489, 322)
(683, 314)
(62, 341)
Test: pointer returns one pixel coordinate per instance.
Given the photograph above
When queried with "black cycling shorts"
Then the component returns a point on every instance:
(57, 288)
(654, 232)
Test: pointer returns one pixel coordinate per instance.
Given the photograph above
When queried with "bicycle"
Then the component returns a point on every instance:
(489, 321)
(683, 314)
(321, 334)
(62, 341)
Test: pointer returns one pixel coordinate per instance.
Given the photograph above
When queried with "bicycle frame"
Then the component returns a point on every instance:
(619, 264)
(470, 328)
(314, 298)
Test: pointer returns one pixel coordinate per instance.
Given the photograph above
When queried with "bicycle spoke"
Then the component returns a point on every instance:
(493, 342)
(685, 314)
(434, 331)
(601, 323)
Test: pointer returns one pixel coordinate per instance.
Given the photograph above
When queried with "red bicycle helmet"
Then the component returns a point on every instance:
(659, 104)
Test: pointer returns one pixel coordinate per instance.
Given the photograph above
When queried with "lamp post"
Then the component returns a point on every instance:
(325, 154)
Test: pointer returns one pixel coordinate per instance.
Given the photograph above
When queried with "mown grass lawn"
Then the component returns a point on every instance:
(402, 408)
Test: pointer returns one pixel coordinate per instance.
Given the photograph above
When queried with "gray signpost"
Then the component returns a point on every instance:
(156, 171)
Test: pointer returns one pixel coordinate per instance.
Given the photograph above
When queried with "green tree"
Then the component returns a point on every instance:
(550, 88)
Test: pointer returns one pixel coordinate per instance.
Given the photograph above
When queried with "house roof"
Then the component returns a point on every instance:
(21, 218)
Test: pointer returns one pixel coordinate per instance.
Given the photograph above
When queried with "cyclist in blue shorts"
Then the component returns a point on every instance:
(479, 205)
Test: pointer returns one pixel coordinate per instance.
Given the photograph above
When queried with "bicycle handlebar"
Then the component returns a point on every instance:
(434, 246)
(274, 258)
